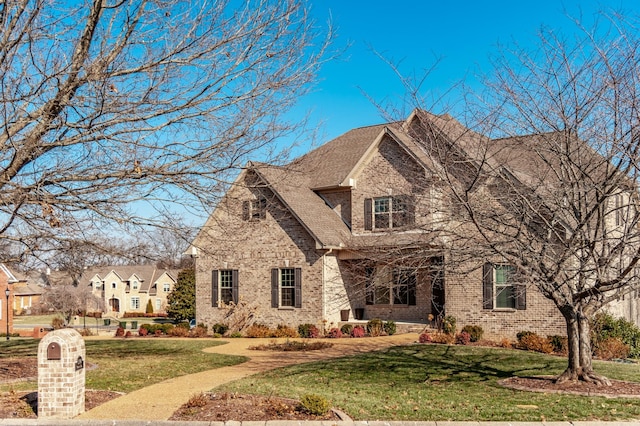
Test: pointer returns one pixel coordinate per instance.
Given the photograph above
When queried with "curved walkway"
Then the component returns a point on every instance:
(159, 401)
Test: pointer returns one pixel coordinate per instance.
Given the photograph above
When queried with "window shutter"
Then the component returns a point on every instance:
(410, 204)
(411, 296)
(368, 214)
(298, 287)
(263, 208)
(487, 286)
(214, 288)
(246, 210)
(369, 272)
(521, 297)
(274, 287)
(234, 285)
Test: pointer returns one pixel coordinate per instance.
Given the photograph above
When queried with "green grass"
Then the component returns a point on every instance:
(437, 382)
(125, 365)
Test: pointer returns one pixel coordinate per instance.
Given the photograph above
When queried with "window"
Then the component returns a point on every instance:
(286, 287)
(166, 287)
(224, 287)
(500, 288)
(135, 285)
(391, 286)
(135, 303)
(254, 210)
(388, 212)
(97, 285)
(619, 217)
(113, 285)
(158, 304)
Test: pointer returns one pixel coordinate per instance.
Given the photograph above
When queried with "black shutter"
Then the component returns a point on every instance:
(369, 288)
(274, 287)
(521, 297)
(298, 287)
(214, 288)
(368, 214)
(246, 210)
(263, 208)
(487, 286)
(234, 286)
(410, 205)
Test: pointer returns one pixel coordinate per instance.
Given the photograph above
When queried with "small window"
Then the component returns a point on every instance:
(135, 303)
(135, 285)
(501, 289)
(114, 285)
(166, 287)
(286, 287)
(97, 285)
(224, 287)
(254, 210)
(158, 304)
(388, 212)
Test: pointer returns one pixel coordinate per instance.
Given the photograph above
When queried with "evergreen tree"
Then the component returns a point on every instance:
(182, 300)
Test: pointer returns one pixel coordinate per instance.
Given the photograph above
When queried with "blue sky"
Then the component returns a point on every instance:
(463, 34)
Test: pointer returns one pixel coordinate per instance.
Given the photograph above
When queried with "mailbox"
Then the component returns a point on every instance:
(53, 351)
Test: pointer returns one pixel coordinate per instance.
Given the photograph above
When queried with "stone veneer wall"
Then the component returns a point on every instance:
(61, 386)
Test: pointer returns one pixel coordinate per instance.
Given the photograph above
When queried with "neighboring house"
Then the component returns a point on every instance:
(129, 288)
(7, 281)
(26, 297)
(351, 231)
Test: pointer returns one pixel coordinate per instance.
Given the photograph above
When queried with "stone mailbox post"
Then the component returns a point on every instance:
(61, 374)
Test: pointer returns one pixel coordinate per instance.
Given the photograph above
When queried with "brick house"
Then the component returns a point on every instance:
(7, 281)
(352, 230)
(130, 288)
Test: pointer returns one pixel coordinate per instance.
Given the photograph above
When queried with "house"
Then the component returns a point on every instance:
(130, 288)
(26, 296)
(7, 282)
(355, 230)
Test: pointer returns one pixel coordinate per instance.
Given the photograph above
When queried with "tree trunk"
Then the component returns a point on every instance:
(579, 366)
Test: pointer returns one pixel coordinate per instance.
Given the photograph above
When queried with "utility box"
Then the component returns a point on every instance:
(61, 374)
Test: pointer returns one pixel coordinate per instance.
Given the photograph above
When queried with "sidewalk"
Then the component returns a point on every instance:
(158, 402)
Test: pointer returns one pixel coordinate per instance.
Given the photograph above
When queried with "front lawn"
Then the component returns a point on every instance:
(439, 382)
(125, 365)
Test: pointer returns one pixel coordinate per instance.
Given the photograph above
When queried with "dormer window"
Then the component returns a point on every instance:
(254, 210)
(114, 285)
(135, 285)
(388, 212)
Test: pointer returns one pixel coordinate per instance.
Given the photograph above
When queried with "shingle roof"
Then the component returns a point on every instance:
(147, 274)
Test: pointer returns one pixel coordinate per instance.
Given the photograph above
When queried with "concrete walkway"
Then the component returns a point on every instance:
(158, 402)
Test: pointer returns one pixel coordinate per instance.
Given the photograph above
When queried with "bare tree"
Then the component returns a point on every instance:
(560, 204)
(113, 113)
(70, 300)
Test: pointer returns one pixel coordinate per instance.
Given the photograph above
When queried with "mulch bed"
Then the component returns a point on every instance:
(239, 407)
(618, 388)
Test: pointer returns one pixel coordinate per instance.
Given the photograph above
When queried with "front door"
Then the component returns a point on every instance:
(114, 304)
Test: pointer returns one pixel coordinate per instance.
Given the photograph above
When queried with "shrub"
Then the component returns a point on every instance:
(532, 342)
(235, 334)
(178, 332)
(197, 400)
(374, 327)
(334, 333)
(57, 323)
(463, 338)
(425, 338)
(346, 329)
(449, 325)
(357, 331)
(285, 331)
(258, 331)
(475, 332)
(119, 332)
(314, 404)
(521, 334)
(444, 338)
(612, 348)
(85, 331)
(198, 331)
(559, 344)
(505, 343)
(308, 331)
(604, 326)
(142, 331)
(219, 328)
(184, 325)
(149, 309)
(390, 328)
(128, 333)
